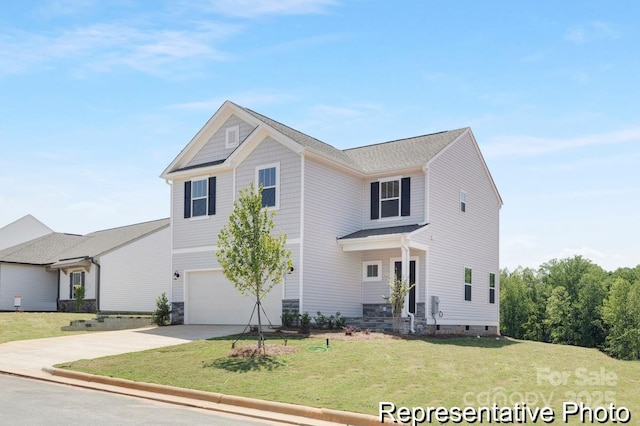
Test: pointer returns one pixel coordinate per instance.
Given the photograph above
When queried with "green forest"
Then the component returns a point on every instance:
(574, 302)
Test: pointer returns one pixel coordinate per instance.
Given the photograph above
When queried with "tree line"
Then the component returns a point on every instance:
(575, 302)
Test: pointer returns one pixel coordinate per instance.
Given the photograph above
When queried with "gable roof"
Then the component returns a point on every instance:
(51, 248)
(304, 139)
(366, 160)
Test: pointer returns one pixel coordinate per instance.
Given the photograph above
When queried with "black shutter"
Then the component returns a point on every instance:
(187, 199)
(70, 285)
(82, 278)
(212, 195)
(375, 200)
(405, 191)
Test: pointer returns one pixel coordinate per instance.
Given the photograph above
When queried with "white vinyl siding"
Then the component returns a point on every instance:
(332, 278)
(189, 233)
(267, 154)
(133, 276)
(462, 240)
(37, 287)
(216, 148)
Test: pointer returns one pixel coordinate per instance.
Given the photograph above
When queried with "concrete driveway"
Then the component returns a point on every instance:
(28, 357)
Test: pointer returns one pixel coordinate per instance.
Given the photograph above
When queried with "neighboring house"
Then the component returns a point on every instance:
(24, 229)
(122, 269)
(425, 208)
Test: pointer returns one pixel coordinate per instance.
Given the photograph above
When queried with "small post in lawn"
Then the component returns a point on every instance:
(17, 301)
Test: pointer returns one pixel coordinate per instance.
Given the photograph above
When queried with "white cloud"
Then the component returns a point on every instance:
(102, 47)
(592, 31)
(511, 146)
(258, 8)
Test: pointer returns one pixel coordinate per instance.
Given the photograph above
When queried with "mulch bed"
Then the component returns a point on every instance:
(248, 351)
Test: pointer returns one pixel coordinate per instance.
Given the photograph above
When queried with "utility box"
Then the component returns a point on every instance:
(435, 305)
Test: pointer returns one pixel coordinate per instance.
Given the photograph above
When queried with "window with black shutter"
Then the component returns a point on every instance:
(200, 197)
(391, 198)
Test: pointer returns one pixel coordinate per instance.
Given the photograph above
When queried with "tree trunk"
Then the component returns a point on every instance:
(260, 336)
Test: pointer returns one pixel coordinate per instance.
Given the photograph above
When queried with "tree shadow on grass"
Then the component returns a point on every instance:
(246, 364)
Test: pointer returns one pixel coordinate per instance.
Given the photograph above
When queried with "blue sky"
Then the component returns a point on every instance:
(97, 98)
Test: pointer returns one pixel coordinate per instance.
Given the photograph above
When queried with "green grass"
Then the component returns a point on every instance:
(36, 325)
(356, 375)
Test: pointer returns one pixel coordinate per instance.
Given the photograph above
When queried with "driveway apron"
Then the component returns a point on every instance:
(28, 357)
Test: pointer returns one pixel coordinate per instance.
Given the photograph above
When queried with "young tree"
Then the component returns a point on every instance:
(251, 258)
(398, 290)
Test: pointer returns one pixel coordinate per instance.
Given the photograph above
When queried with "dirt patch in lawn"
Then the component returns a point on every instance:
(248, 351)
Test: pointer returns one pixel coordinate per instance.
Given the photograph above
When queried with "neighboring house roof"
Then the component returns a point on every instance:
(364, 233)
(402, 153)
(40, 251)
(56, 247)
(24, 229)
(100, 242)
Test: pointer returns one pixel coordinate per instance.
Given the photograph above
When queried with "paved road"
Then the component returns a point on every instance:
(32, 402)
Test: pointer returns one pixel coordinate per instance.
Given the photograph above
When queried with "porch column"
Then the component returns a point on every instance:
(406, 255)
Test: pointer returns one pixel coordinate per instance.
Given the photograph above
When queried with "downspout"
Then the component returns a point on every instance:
(97, 284)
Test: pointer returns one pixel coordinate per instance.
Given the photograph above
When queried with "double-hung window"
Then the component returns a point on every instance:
(200, 197)
(391, 198)
(267, 177)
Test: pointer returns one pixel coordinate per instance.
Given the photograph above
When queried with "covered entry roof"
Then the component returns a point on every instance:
(382, 238)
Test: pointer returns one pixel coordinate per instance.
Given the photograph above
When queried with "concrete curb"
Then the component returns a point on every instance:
(324, 414)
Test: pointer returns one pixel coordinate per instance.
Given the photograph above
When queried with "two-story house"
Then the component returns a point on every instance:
(424, 208)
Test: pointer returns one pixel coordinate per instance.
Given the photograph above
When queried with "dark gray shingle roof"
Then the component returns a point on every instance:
(402, 229)
(402, 153)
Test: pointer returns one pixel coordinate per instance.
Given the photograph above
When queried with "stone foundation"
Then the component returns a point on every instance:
(88, 306)
(385, 324)
(177, 313)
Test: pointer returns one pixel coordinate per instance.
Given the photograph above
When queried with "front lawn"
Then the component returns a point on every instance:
(355, 375)
(36, 325)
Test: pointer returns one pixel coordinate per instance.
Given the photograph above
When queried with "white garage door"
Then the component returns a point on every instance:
(212, 299)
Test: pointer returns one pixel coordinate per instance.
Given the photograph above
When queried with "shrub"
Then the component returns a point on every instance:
(290, 318)
(162, 314)
(305, 322)
(78, 297)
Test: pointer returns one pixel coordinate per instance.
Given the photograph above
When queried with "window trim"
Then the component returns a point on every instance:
(276, 186)
(72, 285)
(228, 143)
(398, 216)
(468, 284)
(366, 264)
(205, 197)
